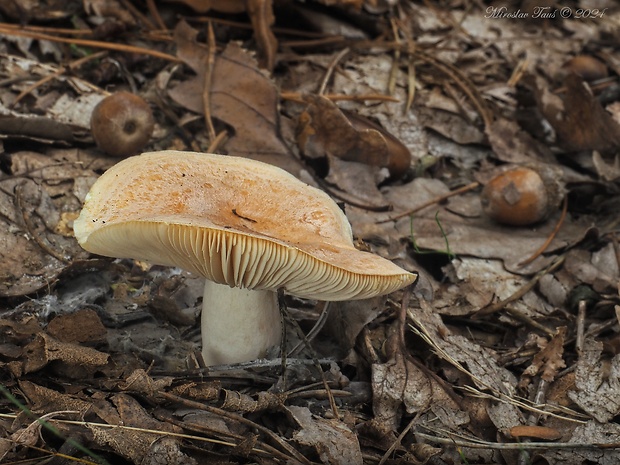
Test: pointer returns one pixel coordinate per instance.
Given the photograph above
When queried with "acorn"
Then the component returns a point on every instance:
(523, 195)
(122, 124)
(586, 66)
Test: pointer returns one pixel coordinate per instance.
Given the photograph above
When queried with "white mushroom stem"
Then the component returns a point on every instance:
(238, 325)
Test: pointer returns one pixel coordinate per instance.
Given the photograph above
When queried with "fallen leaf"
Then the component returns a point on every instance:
(75, 359)
(608, 170)
(83, 326)
(325, 130)
(333, 441)
(398, 383)
(593, 433)
(45, 399)
(512, 144)
(548, 362)
(140, 445)
(579, 119)
(241, 95)
(597, 382)
(481, 363)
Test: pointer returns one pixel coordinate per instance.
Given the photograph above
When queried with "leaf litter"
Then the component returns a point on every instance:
(492, 358)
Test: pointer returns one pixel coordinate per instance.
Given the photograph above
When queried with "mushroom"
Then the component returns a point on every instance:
(248, 227)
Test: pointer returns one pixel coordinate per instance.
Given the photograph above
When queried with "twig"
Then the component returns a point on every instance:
(479, 444)
(411, 77)
(206, 90)
(239, 418)
(318, 325)
(217, 142)
(315, 360)
(581, 318)
(298, 97)
(550, 238)
(152, 7)
(90, 43)
(168, 417)
(518, 314)
(432, 201)
(391, 87)
(330, 70)
(397, 442)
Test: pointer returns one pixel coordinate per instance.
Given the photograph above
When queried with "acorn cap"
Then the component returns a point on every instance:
(234, 221)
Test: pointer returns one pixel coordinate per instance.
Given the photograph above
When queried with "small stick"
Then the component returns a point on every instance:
(285, 315)
(433, 201)
(581, 318)
(529, 321)
(320, 322)
(217, 142)
(283, 351)
(330, 69)
(550, 238)
(152, 7)
(399, 439)
(206, 91)
(90, 43)
(489, 309)
(297, 97)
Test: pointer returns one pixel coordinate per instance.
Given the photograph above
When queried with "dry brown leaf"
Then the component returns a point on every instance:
(140, 445)
(548, 362)
(359, 181)
(26, 436)
(31, 201)
(463, 231)
(480, 362)
(241, 96)
(139, 381)
(332, 439)
(512, 144)
(83, 326)
(590, 433)
(76, 360)
(598, 269)
(223, 6)
(45, 399)
(109, 8)
(325, 130)
(579, 119)
(346, 320)
(450, 125)
(399, 383)
(608, 170)
(597, 382)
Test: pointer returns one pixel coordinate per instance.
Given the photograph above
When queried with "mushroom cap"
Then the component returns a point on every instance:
(234, 221)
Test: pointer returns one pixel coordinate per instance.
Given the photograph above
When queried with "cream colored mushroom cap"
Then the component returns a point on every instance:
(234, 221)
